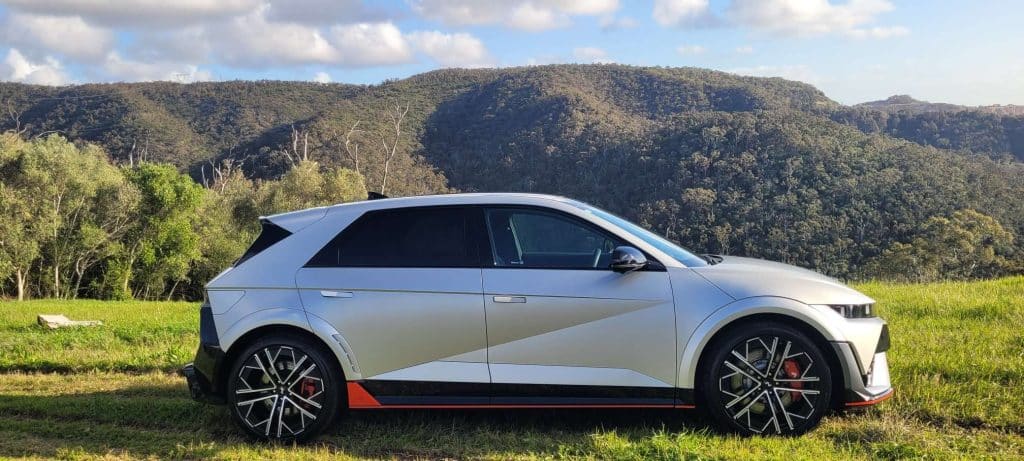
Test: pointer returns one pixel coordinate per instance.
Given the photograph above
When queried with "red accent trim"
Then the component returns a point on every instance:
(510, 406)
(359, 398)
(883, 398)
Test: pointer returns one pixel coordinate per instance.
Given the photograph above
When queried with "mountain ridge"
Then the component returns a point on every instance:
(762, 167)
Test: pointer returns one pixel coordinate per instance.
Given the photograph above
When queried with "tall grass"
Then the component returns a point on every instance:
(957, 363)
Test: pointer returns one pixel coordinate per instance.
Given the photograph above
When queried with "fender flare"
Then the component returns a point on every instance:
(739, 309)
(296, 318)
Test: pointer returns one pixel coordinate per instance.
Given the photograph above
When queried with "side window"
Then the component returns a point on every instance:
(410, 237)
(539, 239)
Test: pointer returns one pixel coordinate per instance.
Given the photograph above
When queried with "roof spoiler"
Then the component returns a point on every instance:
(375, 196)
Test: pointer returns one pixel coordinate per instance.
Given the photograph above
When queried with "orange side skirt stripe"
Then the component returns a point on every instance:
(883, 398)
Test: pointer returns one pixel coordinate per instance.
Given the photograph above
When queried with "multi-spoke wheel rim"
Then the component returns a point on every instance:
(279, 391)
(769, 383)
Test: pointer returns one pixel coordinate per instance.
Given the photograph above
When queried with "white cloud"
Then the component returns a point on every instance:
(810, 17)
(364, 45)
(590, 54)
(189, 44)
(451, 50)
(680, 12)
(252, 41)
(69, 36)
(17, 68)
(544, 60)
(797, 72)
(527, 16)
(322, 77)
(879, 32)
(745, 49)
(322, 11)
(517, 14)
(121, 69)
(687, 50)
(138, 13)
(613, 23)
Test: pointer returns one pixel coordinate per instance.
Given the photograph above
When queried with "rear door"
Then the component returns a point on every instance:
(565, 329)
(403, 287)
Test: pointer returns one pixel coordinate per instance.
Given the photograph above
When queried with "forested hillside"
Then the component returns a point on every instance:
(721, 163)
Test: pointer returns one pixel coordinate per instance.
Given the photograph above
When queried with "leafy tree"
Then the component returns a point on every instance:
(306, 186)
(162, 244)
(18, 246)
(966, 245)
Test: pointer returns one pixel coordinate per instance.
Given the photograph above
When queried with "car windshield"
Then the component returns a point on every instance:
(677, 252)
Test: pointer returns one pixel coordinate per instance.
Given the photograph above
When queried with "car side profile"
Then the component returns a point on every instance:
(521, 301)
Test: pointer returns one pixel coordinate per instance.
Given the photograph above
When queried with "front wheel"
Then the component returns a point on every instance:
(283, 388)
(766, 378)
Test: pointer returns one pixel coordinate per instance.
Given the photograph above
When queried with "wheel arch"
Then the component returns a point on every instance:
(248, 338)
(808, 320)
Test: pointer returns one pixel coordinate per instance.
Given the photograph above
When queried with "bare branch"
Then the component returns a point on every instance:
(396, 115)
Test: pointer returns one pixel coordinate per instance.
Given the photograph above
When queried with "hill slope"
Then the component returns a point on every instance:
(724, 163)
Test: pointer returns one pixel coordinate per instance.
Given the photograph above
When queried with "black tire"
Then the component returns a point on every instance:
(293, 399)
(746, 393)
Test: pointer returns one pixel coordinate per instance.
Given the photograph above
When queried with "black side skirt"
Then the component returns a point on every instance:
(428, 393)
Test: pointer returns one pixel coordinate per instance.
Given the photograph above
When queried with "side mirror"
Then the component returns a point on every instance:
(627, 259)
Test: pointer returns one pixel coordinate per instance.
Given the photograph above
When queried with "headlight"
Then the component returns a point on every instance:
(854, 311)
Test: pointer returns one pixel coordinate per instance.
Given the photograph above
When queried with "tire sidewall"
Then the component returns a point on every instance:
(332, 382)
(713, 401)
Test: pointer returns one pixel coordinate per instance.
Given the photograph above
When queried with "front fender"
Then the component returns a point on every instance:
(699, 338)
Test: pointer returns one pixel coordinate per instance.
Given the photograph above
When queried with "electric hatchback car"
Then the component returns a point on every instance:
(516, 301)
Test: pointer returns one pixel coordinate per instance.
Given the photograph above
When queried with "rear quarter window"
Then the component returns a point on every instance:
(408, 237)
(270, 234)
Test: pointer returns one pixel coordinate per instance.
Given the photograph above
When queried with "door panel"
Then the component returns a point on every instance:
(400, 321)
(615, 329)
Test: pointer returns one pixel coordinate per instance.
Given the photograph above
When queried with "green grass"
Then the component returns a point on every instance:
(135, 337)
(957, 363)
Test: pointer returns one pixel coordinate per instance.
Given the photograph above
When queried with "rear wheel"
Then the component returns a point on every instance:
(284, 388)
(766, 378)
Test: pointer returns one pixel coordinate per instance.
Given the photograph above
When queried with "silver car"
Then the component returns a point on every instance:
(522, 301)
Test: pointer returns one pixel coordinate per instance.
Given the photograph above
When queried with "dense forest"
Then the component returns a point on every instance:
(160, 184)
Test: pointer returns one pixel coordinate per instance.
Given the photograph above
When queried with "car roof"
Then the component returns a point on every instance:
(514, 198)
(491, 198)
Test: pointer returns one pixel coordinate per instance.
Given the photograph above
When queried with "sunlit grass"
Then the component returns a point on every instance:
(957, 363)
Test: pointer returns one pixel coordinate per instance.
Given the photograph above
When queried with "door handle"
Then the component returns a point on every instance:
(335, 294)
(509, 299)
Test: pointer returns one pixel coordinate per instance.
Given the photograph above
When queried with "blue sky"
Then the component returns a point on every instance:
(966, 52)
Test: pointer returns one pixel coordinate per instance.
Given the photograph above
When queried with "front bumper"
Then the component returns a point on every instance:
(864, 389)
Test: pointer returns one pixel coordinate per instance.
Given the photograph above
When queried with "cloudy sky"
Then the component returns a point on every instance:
(967, 52)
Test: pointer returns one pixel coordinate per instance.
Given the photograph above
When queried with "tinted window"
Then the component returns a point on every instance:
(410, 237)
(269, 235)
(540, 239)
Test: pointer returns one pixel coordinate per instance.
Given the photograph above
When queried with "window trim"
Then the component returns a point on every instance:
(474, 218)
(653, 264)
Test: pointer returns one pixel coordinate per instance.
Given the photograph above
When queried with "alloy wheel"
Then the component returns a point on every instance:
(279, 391)
(770, 384)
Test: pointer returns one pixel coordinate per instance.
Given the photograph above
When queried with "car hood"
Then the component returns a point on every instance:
(749, 277)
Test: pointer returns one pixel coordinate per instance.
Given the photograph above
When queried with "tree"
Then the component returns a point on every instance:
(306, 186)
(161, 244)
(965, 245)
(395, 116)
(18, 245)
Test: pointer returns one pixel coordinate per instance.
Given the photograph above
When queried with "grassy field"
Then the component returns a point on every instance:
(109, 392)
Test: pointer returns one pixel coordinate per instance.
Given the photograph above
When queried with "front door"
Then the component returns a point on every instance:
(403, 287)
(562, 327)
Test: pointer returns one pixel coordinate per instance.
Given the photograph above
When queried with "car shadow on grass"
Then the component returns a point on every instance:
(160, 420)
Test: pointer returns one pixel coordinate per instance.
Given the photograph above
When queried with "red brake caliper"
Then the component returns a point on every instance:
(308, 388)
(792, 370)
